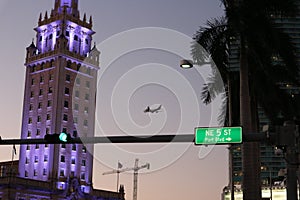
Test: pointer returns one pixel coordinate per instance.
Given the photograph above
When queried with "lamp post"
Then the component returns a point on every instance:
(271, 185)
(186, 64)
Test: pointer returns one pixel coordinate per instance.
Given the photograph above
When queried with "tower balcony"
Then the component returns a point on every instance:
(59, 52)
(65, 17)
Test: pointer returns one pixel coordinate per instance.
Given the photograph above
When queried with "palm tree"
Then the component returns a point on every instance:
(249, 24)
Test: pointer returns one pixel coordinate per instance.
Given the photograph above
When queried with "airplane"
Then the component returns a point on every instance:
(155, 110)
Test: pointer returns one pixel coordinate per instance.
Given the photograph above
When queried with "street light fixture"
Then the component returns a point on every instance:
(186, 64)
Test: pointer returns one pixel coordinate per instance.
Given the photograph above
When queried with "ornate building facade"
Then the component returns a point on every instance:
(60, 96)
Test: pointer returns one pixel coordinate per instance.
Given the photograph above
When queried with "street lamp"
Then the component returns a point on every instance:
(186, 64)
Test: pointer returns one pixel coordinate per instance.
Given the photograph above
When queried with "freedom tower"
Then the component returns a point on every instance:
(60, 96)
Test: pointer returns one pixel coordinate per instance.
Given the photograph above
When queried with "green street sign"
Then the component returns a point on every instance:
(220, 135)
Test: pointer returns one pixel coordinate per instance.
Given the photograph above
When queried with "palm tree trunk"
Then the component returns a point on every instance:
(250, 150)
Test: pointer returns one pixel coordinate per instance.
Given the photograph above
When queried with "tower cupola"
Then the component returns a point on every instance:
(71, 6)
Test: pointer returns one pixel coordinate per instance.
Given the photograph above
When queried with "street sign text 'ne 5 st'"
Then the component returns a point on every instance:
(220, 135)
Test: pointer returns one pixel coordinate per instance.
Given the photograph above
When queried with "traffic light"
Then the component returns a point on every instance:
(58, 138)
(286, 135)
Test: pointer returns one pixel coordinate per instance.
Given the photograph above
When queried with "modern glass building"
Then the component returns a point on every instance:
(271, 164)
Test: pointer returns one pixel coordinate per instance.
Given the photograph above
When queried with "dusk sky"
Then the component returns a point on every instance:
(134, 73)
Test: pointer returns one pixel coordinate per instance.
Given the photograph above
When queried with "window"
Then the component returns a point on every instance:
(26, 173)
(46, 145)
(51, 77)
(65, 118)
(83, 149)
(82, 176)
(87, 97)
(36, 159)
(77, 93)
(39, 119)
(41, 92)
(76, 107)
(44, 172)
(45, 158)
(68, 33)
(78, 81)
(73, 161)
(47, 130)
(31, 94)
(49, 104)
(78, 67)
(29, 134)
(40, 105)
(75, 120)
(64, 130)
(28, 147)
(26, 160)
(41, 38)
(35, 172)
(87, 84)
(30, 107)
(37, 146)
(72, 174)
(67, 91)
(69, 64)
(75, 37)
(68, 77)
(88, 71)
(38, 132)
(42, 79)
(32, 81)
(85, 123)
(62, 172)
(30, 120)
(50, 37)
(73, 147)
(48, 116)
(83, 163)
(66, 104)
(50, 90)
(62, 159)
(86, 110)
(75, 134)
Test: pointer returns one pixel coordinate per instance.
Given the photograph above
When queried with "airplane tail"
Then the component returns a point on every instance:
(147, 109)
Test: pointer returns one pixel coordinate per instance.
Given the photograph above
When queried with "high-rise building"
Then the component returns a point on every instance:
(60, 96)
(271, 164)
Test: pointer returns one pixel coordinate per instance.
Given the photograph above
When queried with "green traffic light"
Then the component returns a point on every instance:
(63, 137)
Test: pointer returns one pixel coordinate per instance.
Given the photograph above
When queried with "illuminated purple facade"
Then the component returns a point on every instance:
(60, 96)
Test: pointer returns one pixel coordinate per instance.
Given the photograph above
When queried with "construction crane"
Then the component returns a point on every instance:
(135, 170)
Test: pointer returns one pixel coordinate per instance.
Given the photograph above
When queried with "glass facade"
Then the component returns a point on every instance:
(271, 164)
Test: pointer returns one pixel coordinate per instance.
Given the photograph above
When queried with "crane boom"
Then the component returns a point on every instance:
(117, 171)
